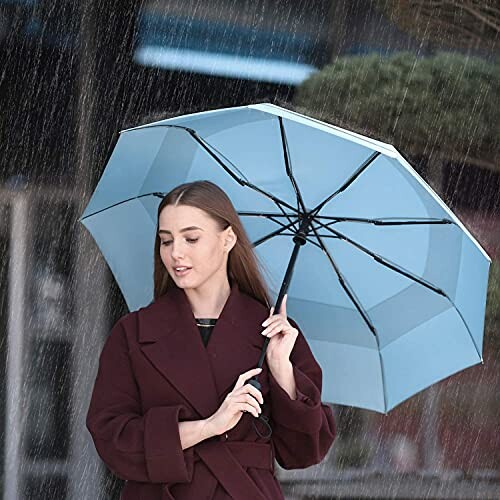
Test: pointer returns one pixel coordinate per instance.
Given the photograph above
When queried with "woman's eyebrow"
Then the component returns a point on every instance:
(190, 228)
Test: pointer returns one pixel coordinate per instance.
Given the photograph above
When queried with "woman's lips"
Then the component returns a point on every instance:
(182, 273)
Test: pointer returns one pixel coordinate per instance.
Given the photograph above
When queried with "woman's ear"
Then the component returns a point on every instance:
(230, 239)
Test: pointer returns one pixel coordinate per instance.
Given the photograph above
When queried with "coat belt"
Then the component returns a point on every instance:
(226, 460)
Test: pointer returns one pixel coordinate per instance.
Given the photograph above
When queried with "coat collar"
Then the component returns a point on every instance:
(169, 337)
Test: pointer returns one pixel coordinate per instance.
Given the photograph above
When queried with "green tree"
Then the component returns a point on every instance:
(442, 108)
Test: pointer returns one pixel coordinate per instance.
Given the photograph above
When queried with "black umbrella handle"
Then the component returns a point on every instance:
(253, 381)
(262, 418)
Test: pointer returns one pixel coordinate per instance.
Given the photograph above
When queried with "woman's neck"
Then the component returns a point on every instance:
(206, 303)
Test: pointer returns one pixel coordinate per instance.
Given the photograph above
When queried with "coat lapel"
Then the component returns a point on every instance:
(170, 339)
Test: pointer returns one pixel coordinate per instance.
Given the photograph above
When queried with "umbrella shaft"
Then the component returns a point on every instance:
(299, 240)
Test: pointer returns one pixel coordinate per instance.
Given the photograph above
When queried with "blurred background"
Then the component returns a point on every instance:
(422, 75)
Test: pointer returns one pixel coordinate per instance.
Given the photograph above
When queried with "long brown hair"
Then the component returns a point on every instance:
(242, 266)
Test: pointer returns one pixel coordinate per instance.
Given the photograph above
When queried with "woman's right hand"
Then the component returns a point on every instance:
(241, 399)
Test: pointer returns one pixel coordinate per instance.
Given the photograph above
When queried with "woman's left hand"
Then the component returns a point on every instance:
(282, 337)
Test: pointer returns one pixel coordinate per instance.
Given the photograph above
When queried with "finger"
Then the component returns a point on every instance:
(245, 376)
(283, 305)
(276, 325)
(271, 320)
(248, 408)
(269, 332)
(280, 328)
(249, 389)
(254, 392)
(252, 401)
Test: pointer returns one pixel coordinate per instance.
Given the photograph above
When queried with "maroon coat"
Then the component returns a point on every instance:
(154, 371)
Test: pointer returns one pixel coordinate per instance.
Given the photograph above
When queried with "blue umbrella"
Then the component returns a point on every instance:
(389, 287)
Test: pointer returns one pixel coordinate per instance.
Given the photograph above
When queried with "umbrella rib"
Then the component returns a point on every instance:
(208, 148)
(349, 181)
(273, 233)
(382, 222)
(288, 167)
(268, 215)
(264, 214)
(384, 261)
(278, 231)
(466, 326)
(404, 272)
(345, 285)
(160, 195)
(377, 222)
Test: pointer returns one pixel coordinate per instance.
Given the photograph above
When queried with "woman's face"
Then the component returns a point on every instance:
(204, 250)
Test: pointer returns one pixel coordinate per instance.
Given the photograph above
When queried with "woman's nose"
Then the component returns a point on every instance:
(176, 250)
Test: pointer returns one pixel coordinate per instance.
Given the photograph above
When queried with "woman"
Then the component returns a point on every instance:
(171, 412)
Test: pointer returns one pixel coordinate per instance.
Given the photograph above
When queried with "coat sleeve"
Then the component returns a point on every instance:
(304, 428)
(135, 446)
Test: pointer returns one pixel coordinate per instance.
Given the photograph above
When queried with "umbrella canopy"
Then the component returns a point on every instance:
(389, 287)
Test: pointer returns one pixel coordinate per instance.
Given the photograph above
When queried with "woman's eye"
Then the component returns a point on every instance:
(166, 243)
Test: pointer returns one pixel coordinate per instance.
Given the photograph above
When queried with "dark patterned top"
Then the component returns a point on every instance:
(206, 325)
